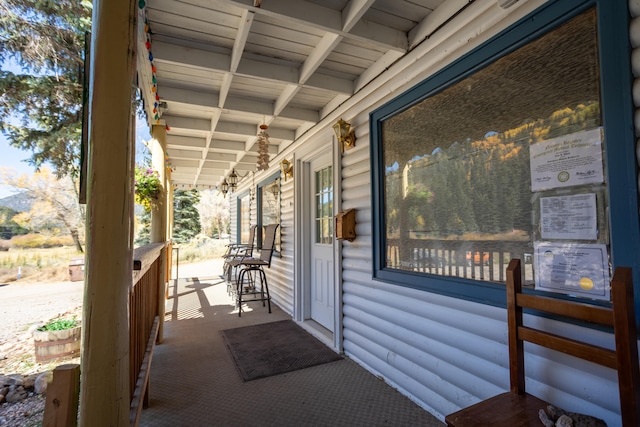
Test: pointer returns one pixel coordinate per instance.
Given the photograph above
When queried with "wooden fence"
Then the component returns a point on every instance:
(144, 321)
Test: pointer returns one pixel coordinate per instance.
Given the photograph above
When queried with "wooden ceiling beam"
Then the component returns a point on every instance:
(325, 19)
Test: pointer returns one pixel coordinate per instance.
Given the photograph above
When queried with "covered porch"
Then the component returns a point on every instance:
(194, 381)
(212, 74)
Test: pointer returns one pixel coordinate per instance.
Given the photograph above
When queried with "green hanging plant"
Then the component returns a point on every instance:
(147, 186)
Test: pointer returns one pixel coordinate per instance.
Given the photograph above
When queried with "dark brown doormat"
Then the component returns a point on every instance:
(274, 348)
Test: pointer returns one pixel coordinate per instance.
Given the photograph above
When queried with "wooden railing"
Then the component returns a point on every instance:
(482, 260)
(144, 321)
(146, 297)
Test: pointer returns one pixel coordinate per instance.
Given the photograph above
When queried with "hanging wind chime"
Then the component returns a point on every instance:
(263, 148)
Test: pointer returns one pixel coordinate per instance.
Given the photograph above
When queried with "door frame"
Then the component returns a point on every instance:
(303, 237)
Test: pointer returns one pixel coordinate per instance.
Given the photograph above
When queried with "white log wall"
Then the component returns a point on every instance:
(282, 267)
(443, 353)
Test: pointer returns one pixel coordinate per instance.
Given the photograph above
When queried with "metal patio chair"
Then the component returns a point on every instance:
(236, 252)
(252, 280)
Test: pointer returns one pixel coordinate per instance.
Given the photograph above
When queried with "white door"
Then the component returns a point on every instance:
(322, 284)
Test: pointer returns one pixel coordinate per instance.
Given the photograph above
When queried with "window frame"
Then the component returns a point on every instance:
(264, 183)
(239, 198)
(617, 119)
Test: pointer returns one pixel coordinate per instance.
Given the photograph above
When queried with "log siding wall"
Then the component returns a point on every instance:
(443, 353)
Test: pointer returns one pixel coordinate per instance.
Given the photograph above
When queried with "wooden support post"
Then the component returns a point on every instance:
(169, 211)
(104, 397)
(159, 214)
(63, 394)
(158, 147)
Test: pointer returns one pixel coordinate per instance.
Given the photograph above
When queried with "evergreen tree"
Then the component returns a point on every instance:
(186, 219)
(144, 234)
(41, 106)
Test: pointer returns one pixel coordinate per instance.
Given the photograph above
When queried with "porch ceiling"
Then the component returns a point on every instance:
(221, 68)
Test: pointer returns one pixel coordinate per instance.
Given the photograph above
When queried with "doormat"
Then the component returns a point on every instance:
(274, 348)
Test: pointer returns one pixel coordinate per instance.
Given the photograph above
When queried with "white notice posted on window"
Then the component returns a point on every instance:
(569, 217)
(574, 159)
(573, 269)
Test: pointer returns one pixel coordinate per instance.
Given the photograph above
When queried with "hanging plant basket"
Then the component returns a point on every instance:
(147, 186)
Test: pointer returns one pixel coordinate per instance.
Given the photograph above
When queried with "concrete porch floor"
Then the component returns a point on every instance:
(195, 383)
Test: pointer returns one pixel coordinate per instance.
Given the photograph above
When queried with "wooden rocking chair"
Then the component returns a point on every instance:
(518, 408)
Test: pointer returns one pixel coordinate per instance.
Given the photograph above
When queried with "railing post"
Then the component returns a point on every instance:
(162, 285)
(63, 395)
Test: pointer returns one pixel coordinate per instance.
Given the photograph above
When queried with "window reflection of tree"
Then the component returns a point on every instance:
(457, 162)
(270, 208)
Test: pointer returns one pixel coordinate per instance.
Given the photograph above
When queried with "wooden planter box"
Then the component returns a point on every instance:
(51, 345)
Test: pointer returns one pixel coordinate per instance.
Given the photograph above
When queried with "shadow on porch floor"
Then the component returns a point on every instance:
(195, 383)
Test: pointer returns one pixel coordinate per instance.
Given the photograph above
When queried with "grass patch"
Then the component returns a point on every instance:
(40, 264)
(201, 249)
(52, 264)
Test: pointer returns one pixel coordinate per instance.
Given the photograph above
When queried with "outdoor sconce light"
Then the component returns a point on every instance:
(345, 134)
(233, 180)
(224, 188)
(287, 168)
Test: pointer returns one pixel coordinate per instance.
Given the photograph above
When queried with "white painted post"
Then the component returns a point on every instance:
(159, 215)
(159, 212)
(104, 396)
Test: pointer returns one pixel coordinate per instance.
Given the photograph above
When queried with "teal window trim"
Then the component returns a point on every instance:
(267, 181)
(617, 111)
(239, 198)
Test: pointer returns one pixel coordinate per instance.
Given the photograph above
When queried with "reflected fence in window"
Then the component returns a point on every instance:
(478, 260)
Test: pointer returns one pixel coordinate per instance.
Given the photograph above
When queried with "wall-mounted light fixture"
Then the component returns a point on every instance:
(224, 187)
(233, 180)
(345, 134)
(287, 168)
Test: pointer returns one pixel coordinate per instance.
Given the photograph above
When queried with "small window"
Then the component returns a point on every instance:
(269, 207)
(324, 206)
(244, 217)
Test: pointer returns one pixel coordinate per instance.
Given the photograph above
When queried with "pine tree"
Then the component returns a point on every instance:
(186, 219)
(144, 221)
(41, 105)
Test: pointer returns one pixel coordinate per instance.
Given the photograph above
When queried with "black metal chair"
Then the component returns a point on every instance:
(251, 279)
(236, 252)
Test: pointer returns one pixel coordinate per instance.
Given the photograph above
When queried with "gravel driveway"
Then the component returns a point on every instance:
(25, 304)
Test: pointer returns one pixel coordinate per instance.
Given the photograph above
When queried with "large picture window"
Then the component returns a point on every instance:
(482, 164)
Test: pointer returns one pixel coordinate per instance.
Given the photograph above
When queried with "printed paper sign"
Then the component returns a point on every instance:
(569, 217)
(574, 159)
(574, 269)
